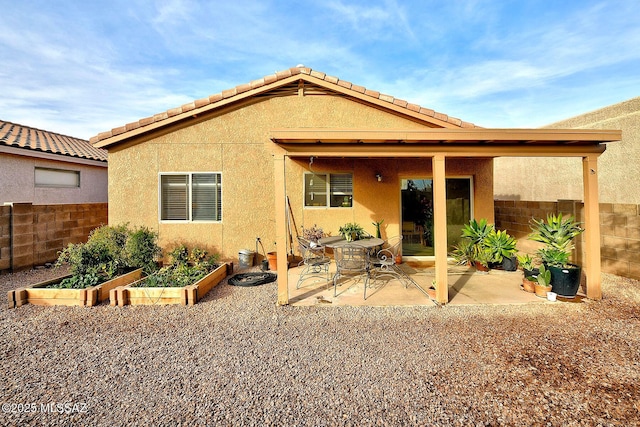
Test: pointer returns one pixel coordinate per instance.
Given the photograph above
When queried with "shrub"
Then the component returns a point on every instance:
(109, 251)
(185, 268)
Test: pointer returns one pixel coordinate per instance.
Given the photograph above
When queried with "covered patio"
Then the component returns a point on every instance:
(465, 286)
(436, 146)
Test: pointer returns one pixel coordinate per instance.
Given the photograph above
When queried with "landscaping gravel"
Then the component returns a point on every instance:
(236, 358)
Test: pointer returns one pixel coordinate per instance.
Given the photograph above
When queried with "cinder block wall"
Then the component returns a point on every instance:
(619, 229)
(5, 237)
(35, 234)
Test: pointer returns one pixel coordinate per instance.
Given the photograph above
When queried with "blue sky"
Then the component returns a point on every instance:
(84, 67)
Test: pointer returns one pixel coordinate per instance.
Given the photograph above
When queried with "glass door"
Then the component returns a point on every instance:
(417, 213)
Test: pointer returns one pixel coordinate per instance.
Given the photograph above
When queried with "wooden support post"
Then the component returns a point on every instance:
(281, 227)
(440, 227)
(592, 227)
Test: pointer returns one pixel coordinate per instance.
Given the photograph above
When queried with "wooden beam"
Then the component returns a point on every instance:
(397, 150)
(592, 227)
(440, 228)
(279, 175)
(437, 135)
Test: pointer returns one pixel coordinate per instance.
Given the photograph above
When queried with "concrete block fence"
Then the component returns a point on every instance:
(619, 230)
(32, 235)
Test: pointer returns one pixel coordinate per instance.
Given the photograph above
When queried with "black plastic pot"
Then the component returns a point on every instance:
(565, 281)
(531, 273)
(509, 264)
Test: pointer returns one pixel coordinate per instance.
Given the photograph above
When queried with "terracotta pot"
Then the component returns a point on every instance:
(481, 267)
(272, 257)
(541, 291)
(528, 285)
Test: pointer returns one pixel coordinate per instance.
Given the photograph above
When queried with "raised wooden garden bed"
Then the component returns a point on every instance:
(39, 294)
(187, 295)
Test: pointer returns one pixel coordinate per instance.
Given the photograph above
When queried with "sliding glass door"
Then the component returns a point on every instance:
(417, 213)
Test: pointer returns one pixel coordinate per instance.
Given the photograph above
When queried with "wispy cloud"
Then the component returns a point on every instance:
(88, 68)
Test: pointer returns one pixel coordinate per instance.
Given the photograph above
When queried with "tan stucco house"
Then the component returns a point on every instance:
(303, 145)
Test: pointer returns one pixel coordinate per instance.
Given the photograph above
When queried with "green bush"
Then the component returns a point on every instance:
(109, 252)
(142, 249)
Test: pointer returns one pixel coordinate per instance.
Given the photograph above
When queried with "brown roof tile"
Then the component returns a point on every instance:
(273, 78)
(19, 136)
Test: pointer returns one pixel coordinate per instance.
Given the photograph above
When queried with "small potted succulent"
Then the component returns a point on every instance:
(351, 231)
(544, 282)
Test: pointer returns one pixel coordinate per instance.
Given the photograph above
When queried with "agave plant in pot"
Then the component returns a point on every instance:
(525, 261)
(475, 233)
(502, 249)
(557, 234)
(351, 231)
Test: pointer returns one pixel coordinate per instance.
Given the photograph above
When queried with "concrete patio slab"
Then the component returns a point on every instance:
(466, 286)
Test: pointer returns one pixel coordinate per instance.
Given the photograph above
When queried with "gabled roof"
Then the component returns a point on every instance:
(28, 138)
(286, 82)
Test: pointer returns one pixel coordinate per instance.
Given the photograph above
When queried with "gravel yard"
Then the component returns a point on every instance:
(236, 358)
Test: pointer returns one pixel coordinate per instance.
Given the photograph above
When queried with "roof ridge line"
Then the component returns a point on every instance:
(270, 79)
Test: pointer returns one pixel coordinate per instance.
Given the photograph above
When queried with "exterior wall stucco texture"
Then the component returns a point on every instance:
(18, 182)
(236, 142)
(549, 179)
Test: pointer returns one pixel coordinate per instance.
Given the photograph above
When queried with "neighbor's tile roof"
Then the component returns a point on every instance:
(226, 95)
(19, 136)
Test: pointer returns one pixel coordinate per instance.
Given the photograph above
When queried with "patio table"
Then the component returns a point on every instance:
(335, 242)
(369, 243)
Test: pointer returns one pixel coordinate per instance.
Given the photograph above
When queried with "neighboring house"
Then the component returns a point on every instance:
(53, 191)
(301, 147)
(549, 180)
(43, 167)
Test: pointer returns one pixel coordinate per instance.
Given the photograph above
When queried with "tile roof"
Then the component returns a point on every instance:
(19, 136)
(265, 83)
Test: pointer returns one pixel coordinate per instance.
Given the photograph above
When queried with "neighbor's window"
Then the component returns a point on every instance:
(191, 197)
(332, 190)
(45, 177)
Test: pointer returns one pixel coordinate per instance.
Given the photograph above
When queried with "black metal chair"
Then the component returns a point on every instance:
(315, 261)
(352, 261)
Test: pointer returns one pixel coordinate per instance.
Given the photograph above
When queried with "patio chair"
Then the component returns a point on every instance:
(352, 261)
(384, 262)
(315, 261)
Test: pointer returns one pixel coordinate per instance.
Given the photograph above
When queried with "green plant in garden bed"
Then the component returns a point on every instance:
(109, 252)
(185, 269)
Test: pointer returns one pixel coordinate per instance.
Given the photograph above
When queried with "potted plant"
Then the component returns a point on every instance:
(543, 284)
(501, 248)
(557, 234)
(525, 261)
(351, 231)
(475, 232)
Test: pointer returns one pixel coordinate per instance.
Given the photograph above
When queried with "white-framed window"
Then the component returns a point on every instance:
(48, 177)
(192, 196)
(333, 190)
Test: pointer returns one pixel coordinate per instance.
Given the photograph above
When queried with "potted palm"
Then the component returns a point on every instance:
(557, 234)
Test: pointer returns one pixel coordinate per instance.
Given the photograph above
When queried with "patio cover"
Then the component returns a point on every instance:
(438, 144)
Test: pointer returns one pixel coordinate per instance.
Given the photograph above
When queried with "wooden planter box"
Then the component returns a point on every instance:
(39, 294)
(187, 295)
